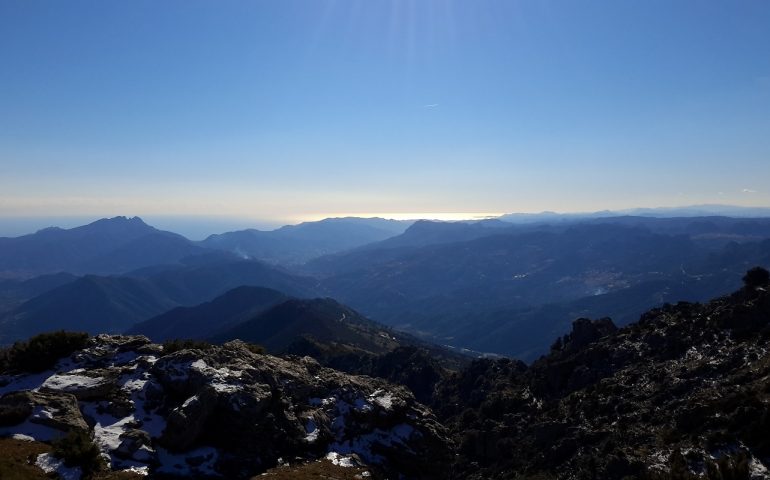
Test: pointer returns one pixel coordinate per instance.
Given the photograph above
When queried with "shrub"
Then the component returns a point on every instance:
(78, 450)
(756, 277)
(254, 348)
(41, 352)
(171, 346)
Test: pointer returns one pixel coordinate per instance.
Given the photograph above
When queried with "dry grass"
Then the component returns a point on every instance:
(17, 462)
(322, 469)
(17, 458)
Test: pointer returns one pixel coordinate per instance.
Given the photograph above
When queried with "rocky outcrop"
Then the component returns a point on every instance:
(680, 394)
(58, 411)
(227, 411)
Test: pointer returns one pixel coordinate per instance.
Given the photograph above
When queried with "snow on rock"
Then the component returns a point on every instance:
(757, 470)
(341, 460)
(13, 383)
(218, 411)
(312, 431)
(30, 430)
(79, 385)
(383, 399)
(50, 464)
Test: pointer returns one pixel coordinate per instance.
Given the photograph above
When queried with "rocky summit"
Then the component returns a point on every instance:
(226, 411)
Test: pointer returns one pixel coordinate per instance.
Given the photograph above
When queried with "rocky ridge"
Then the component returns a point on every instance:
(222, 412)
(682, 394)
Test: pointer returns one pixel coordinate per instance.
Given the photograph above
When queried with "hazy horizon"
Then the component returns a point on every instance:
(198, 227)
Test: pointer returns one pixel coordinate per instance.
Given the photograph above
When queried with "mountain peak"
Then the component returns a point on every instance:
(120, 220)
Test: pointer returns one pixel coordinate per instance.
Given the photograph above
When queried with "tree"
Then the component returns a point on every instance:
(756, 277)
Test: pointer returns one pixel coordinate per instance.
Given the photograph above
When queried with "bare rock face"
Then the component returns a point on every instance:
(683, 393)
(227, 411)
(242, 401)
(55, 410)
(94, 384)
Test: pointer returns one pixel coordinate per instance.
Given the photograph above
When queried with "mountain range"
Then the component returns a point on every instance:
(112, 304)
(296, 244)
(485, 286)
(508, 290)
(679, 394)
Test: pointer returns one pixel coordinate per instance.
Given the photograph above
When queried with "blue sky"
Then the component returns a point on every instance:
(285, 110)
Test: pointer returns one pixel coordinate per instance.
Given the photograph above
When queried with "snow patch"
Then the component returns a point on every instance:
(757, 470)
(340, 460)
(138, 470)
(50, 464)
(382, 398)
(71, 383)
(312, 431)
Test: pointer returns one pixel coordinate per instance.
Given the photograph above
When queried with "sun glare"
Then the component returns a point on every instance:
(442, 216)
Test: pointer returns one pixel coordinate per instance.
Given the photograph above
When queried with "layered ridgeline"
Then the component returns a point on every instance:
(120, 244)
(680, 394)
(488, 286)
(323, 328)
(113, 304)
(295, 244)
(512, 289)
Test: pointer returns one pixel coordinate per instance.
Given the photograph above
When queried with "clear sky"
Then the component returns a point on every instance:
(287, 109)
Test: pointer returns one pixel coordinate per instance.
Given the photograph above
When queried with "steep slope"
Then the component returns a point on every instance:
(324, 329)
(114, 304)
(114, 245)
(14, 292)
(204, 320)
(92, 304)
(293, 244)
(680, 394)
(322, 320)
(192, 284)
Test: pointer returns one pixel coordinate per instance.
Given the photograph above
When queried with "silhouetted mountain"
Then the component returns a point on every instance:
(420, 234)
(294, 244)
(707, 231)
(91, 304)
(341, 338)
(113, 304)
(661, 212)
(114, 245)
(511, 291)
(191, 285)
(204, 320)
(322, 320)
(15, 292)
